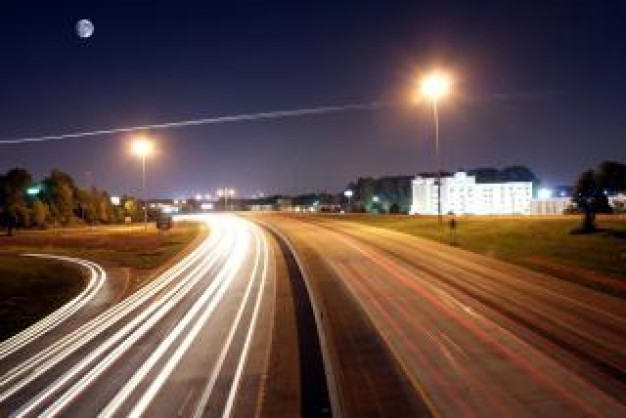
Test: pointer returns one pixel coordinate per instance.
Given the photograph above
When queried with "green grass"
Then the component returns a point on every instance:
(132, 248)
(31, 288)
(542, 243)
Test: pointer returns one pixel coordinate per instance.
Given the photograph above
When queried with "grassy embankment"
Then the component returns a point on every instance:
(31, 288)
(545, 244)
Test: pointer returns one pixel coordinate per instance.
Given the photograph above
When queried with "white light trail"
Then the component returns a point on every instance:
(206, 121)
(204, 399)
(48, 358)
(127, 336)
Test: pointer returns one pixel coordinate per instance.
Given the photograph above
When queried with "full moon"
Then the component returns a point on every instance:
(84, 28)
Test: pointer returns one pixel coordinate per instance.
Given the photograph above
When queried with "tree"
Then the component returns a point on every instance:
(13, 205)
(612, 176)
(590, 197)
(59, 194)
(131, 208)
(85, 205)
(40, 213)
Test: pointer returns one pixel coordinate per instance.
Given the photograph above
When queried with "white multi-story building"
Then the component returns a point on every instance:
(550, 205)
(460, 195)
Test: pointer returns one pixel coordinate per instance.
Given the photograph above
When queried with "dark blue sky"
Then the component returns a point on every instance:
(539, 82)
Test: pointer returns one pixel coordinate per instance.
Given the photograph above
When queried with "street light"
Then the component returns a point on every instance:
(434, 87)
(142, 147)
(348, 194)
(226, 193)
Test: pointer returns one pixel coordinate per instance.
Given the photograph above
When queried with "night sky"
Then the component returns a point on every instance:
(540, 83)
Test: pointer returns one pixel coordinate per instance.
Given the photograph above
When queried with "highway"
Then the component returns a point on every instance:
(417, 328)
(179, 346)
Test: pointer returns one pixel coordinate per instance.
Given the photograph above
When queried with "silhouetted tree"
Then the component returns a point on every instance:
(59, 191)
(590, 197)
(13, 205)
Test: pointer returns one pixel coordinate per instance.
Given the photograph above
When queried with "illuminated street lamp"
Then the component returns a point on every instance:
(348, 194)
(434, 87)
(226, 193)
(231, 194)
(143, 147)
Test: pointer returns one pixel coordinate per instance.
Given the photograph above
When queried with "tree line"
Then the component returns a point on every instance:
(56, 200)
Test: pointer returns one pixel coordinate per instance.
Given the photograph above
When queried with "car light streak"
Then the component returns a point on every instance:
(151, 316)
(70, 372)
(109, 316)
(246, 347)
(204, 399)
(157, 383)
(88, 332)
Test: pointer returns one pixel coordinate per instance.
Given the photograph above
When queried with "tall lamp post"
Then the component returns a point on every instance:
(226, 193)
(433, 87)
(348, 194)
(143, 147)
(231, 194)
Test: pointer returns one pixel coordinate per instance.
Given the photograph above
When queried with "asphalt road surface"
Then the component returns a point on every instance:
(417, 328)
(180, 346)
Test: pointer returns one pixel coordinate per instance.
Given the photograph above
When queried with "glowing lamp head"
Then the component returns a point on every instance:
(348, 193)
(435, 86)
(142, 147)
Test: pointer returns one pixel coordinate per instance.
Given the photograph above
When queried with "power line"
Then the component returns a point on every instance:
(207, 121)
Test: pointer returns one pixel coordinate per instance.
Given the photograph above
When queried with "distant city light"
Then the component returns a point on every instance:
(206, 206)
(376, 199)
(33, 191)
(198, 196)
(115, 200)
(207, 196)
(169, 209)
(544, 193)
(348, 193)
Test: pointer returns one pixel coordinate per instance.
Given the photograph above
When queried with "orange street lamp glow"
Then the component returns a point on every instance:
(435, 86)
(142, 147)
